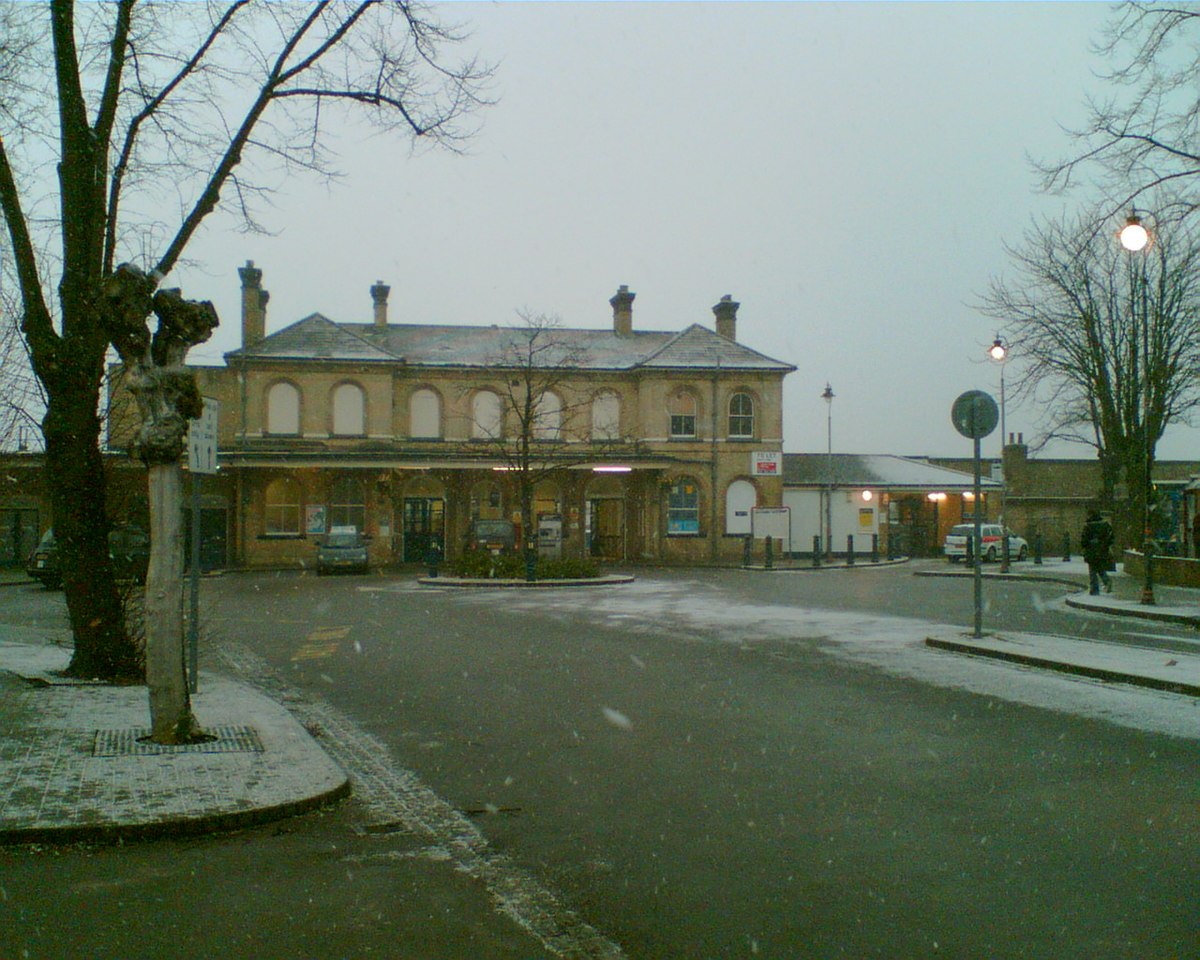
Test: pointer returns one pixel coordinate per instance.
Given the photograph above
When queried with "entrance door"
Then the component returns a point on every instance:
(424, 522)
(607, 529)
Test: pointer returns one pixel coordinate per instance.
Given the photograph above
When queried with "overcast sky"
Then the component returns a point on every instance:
(849, 172)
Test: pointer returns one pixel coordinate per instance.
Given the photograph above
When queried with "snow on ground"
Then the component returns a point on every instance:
(690, 610)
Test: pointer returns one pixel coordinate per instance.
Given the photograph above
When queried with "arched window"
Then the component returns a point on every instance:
(486, 418)
(547, 417)
(348, 411)
(281, 509)
(740, 500)
(683, 508)
(283, 410)
(741, 415)
(347, 507)
(425, 415)
(606, 417)
(682, 408)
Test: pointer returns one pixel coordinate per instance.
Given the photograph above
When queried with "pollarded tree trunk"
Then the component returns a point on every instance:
(171, 719)
(167, 397)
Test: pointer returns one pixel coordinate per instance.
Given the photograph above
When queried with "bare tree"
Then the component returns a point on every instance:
(1108, 342)
(539, 367)
(157, 116)
(1145, 134)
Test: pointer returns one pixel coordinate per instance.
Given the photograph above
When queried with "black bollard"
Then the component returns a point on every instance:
(874, 548)
(1037, 549)
(816, 551)
(747, 550)
(849, 549)
(770, 553)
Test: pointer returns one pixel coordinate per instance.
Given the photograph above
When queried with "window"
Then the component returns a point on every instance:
(606, 417)
(283, 410)
(486, 418)
(683, 415)
(348, 407)
(741, 415)
(683, 509)
(281, 511)
(547, 417)
(740, 500)
(346, 504)
(425, 415)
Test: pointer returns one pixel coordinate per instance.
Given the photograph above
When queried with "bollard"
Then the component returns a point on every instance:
(970, 557)
(874, 548)
(1004, 553)
(849, 549)
(1037, 549)
(891, 550)
(747, 548)
(1066, 551)
(770, 553)
(816, 551)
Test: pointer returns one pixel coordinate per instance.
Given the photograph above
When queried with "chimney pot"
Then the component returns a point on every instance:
(379, 295)
(622, 305)
(254, 304)
(725, 312)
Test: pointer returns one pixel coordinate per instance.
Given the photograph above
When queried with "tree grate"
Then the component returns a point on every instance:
(132, 742)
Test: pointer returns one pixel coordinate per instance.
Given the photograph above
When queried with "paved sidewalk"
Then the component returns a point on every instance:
(72, 767)
(1167, 670)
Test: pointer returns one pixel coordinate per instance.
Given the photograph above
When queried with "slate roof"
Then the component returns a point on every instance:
(316, 337)
(882, 471)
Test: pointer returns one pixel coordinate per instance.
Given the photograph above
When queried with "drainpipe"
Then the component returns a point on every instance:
(714, 515)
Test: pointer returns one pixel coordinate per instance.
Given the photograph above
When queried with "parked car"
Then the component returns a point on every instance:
(494, 536)
(340, 552)
(128, 549)
(992, 534)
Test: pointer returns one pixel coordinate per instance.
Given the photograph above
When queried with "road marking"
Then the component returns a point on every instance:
(320, 644)
(393, 794)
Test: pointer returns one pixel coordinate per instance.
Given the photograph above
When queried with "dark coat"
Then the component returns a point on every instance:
(1096, 542)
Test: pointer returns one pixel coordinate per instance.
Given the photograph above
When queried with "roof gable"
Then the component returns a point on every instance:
(316, 337)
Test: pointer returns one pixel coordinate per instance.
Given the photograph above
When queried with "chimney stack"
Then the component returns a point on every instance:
(379, 294)
(726, 313)
(622, 305)
(254, 305)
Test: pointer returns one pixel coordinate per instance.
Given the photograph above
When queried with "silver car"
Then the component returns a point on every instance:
(342, 551)
(992, 535)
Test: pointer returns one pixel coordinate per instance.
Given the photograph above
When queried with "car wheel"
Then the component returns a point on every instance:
(1022, 553)
(990, 557)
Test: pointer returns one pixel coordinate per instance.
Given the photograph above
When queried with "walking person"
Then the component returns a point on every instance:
(1096, 542)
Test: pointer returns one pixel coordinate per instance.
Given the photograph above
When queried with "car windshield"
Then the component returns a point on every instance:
(963, 530)
(342, 540)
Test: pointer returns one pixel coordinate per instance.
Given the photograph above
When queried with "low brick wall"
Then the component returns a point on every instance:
(1170, 571)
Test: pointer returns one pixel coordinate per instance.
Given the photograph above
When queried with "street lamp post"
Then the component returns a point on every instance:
(1136, 239)
(999, 352)
(827, 396)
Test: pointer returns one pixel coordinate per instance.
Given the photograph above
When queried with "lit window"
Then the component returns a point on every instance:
(281, 513)
(683, 509)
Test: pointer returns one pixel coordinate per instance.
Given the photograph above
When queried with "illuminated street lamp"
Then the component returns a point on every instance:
(999, 352)
(1137, 239)
(827, 396)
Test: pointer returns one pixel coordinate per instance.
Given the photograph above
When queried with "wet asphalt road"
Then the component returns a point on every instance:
(697, 785)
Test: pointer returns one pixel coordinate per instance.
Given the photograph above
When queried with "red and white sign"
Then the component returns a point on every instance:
(766, 464)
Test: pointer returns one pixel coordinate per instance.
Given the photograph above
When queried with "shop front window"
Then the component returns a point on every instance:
(683, 509)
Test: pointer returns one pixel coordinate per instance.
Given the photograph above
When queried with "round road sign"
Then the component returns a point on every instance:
(975, 414)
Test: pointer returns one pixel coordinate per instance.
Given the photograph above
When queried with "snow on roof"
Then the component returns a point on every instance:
(316, 337)
(873, 470)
